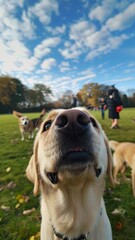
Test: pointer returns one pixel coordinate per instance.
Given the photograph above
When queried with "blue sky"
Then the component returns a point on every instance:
(68, 43)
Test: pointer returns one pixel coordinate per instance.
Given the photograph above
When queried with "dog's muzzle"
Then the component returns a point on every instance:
(72, 122)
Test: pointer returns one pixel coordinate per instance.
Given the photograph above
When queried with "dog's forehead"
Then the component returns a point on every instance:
(24, 118)
(53, 114)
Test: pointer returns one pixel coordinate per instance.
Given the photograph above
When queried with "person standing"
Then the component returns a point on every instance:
(103, 107)
(74, 101)
(114, 104)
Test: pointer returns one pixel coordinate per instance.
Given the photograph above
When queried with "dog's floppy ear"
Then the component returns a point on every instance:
(17, 114)
(110, 160)
(32, 171)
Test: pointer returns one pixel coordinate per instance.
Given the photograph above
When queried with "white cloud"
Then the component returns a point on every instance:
(122, 20)
(57, 30)
(102, 12)
(97, 39)
(27, 27)
(120, 80)
(45, 46)
(64, 66)
(88, 72)
(80, 31)
(13, 27)
(43, 10)
(48, 64)
(106, 46)
(85, 38)
(15, 56)
(78, 34)
(71, 53)
(106, 8)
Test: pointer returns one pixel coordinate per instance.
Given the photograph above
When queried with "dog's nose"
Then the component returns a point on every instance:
(73, 121)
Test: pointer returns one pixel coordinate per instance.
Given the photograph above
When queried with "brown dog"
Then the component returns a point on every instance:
(124, 154)
(27, 125)
(69, 164)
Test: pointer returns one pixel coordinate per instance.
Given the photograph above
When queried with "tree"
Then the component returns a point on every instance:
(43, 93)
(131, 91)
(90, 94)
(11, 92)
(66, 99)
(30, 98)
(125, 100)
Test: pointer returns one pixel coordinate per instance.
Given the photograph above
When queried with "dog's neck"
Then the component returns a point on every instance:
(61, 236)
(73, 210)
(81, 237)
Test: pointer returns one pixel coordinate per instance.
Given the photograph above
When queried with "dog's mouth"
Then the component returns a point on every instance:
(75, 161)
(75, 158)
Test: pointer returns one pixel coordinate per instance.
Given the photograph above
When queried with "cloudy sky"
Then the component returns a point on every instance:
(68, 43)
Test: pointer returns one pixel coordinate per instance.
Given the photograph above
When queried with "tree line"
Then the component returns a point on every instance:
(16, 96)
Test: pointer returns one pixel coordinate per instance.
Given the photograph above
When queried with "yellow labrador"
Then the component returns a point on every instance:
(124, 154)
(69, 164)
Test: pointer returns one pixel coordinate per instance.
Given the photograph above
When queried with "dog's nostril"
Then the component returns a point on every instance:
(83, 120)
(62, 121)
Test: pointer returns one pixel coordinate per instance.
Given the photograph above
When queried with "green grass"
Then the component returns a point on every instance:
(15, 155)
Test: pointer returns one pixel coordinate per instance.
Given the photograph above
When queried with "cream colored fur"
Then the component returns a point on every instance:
(75, 204)
(124, 153)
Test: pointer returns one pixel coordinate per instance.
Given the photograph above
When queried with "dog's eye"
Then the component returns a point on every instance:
(47, 125)
(93, 121)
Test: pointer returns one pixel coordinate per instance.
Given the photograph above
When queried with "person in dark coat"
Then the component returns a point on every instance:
(103, 107)
(113, 102)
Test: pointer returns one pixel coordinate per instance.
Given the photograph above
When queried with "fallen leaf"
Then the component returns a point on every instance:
(17, 205)
(5, 208)
(21, 200)
(117, 199)
(29, 211)
(32, 238)
(118, 211)
(8, 169)
(119, 226)
(11, 185)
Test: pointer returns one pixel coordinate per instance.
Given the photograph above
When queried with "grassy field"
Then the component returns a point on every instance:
(16, 191)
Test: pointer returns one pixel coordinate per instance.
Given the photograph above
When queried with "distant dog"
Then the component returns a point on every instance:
(124, 154)
(70, 159)
(27, 125)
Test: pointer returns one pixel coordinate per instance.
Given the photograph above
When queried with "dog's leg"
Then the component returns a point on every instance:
(115, 173)
(118, 165)
(133, 181)
(31, 135)
(22, 133)
(123, 172)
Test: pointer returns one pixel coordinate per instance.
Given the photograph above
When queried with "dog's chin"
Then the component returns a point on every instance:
(75, 162)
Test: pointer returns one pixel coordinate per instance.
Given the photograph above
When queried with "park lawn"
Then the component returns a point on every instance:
(16, 191)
